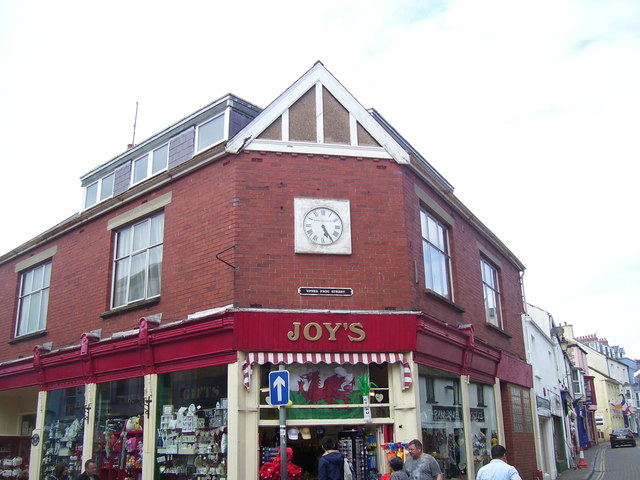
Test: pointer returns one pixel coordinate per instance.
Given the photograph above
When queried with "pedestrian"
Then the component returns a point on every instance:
(90, 471)
(396, 464)
(498, 468)
(331, 463)
(420, 465)
(60, 472)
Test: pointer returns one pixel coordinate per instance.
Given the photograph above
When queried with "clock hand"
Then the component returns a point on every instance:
(324, 229)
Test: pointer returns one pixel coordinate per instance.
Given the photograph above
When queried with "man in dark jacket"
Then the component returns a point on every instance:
(331, 464)
(90, 470)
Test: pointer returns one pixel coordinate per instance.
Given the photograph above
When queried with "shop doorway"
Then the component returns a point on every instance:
(359, 443)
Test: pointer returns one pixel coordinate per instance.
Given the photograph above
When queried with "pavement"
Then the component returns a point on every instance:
(593, 458)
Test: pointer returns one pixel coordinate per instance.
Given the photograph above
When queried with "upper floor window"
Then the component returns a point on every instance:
(210, 133)
(491, 290)
(33, 299)
(99, 190)
(576, 380)
(435, 250)
(150, 164)
(138, 261)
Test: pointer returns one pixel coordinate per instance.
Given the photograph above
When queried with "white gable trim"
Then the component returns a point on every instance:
(318, 74)
(264, 145)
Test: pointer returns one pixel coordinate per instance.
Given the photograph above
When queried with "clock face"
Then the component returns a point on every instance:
(322, 225)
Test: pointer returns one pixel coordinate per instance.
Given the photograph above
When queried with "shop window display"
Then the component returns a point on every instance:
(484, 426)
(321, 392)
(192, 425)
(442, 422)
(119, 423)
(63, 430)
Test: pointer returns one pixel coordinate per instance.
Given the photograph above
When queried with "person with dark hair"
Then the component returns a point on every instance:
(331, 463)
(396, 464)
(90, 471)
(498, 468)
(420, 465)
(60, 472)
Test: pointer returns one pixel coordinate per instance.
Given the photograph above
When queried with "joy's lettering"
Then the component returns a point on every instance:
(314, 331)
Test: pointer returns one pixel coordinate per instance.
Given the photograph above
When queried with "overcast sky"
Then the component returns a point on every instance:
(531, 109)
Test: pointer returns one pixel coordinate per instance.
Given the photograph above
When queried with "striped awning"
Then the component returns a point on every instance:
(340, 358)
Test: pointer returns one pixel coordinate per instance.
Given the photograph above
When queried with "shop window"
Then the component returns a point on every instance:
(192, 424)
(484, 425)
(63, 430)
(119, 423)
(442, 423)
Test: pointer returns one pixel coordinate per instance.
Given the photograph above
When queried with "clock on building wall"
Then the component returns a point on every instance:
(322, 226)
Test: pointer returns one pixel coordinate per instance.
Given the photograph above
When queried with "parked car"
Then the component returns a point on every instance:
(622, 436)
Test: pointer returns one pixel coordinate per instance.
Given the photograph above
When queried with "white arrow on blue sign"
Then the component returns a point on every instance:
(279, 387)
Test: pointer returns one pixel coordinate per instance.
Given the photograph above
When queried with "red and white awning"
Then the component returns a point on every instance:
(303, 357)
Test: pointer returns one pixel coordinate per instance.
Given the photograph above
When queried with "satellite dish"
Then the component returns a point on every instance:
(557, 331)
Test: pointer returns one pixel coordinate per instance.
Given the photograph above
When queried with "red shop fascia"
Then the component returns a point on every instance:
(216, 340)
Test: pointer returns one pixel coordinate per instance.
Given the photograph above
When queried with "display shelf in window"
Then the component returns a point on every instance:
(192, 442)
(63, 443)
(121, 449)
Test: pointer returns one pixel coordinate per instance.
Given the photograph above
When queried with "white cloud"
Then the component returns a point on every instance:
(529, 108)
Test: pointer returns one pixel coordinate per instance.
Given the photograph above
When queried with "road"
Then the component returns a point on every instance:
(621, 463)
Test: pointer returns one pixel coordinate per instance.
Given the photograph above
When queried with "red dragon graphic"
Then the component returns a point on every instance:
(333, 389)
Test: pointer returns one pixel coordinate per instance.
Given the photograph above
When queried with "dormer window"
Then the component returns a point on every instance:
(99, 190)
(210, 133)
(150, 164)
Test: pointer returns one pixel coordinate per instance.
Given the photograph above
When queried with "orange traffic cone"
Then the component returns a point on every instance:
(582, 463)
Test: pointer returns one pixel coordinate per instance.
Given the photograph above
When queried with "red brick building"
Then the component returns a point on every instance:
(309, 235)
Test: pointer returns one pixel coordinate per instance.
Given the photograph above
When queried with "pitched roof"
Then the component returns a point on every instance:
(317, 82)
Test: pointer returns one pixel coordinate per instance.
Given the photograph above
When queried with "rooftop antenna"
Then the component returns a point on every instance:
(135, 121)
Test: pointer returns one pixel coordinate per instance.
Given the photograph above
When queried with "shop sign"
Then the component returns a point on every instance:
(544, 406)
(477, 415)
(326, 291)
(325, 332)
(314, 331)
(446, 414)
(599, 417)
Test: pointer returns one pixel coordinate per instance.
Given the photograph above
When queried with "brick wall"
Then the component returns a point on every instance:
(246, 200)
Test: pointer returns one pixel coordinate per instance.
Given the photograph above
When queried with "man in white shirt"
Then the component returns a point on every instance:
(498, 468)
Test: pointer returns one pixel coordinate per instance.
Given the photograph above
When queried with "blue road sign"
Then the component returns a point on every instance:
(279, 387)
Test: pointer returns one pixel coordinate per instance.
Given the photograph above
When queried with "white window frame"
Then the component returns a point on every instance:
(27, 296)
(577, 382)
(443, 251)
(150, 157)
(130, 253)
(99, 192)
(491, 286)
(225, 129)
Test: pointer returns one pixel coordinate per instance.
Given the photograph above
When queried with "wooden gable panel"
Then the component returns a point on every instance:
(273, 131)
(302, 118)
(335, 120)
(364, 138)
